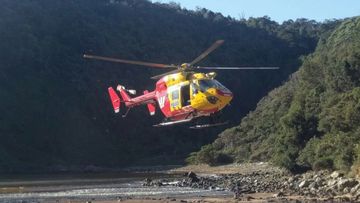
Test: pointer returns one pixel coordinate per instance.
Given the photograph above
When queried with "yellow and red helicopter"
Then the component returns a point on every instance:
(182, 95)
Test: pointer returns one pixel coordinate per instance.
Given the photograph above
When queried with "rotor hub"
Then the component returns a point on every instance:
(185, 66)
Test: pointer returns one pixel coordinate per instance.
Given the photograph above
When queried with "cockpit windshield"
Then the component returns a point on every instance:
(206, 84)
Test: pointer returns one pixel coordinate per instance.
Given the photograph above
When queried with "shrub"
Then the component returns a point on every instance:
(209, 155)
(323, 163)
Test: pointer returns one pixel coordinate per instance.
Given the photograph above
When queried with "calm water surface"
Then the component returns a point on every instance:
(107, 186)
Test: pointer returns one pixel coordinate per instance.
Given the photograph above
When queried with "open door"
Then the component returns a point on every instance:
(185, 95)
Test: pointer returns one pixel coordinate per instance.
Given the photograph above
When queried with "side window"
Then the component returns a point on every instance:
(175, 94)
(175, 98)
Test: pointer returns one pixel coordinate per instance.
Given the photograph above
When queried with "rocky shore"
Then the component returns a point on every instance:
(311, 186)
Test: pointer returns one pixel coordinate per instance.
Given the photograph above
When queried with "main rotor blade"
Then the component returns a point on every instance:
(156, 77)
(141, 63)
(239, 68)
(207, 52)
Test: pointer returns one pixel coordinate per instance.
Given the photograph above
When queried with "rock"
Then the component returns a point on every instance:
(279, 194)
(147, 182)
(331, 182)
(343, 199)
(346, 190)
(343, 183)
(335, 174)
(304, 183)
(237, 195)
(330, 192)
(157, 183)
(318, 180)
(248, 198)
(192, 176)
(355, 189)
(313, 188)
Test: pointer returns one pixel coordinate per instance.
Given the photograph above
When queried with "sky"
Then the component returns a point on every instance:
(278, 10)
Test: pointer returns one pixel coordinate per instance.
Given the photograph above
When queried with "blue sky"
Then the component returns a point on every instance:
(278, 10)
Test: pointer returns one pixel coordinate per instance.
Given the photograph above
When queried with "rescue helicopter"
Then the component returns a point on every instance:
(182, 94)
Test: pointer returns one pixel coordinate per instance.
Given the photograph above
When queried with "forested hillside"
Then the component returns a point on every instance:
(312, 121)
(55, 111)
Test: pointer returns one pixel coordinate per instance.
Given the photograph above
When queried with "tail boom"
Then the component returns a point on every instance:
(148, 98)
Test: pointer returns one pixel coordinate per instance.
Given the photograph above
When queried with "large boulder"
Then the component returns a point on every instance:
(192, 176)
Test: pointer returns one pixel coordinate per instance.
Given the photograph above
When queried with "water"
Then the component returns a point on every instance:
(90, 186)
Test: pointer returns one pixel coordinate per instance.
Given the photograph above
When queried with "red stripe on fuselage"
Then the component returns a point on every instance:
(162, 97)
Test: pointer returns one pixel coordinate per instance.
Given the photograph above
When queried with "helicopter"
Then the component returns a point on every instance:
(182, 94)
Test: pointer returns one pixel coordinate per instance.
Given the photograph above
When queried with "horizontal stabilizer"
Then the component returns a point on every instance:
(115, 100)
(151, 108)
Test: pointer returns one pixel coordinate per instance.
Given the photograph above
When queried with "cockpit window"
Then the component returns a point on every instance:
(206, 84)
(195, 88)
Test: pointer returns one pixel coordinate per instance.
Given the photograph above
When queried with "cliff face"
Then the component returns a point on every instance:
(55, 111)
(313, 119)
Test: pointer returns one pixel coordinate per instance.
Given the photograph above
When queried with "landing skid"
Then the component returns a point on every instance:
(172, 123)
(208, 125)
(210, 121)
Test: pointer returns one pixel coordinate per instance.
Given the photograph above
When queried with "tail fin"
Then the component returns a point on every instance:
(115, 100)
(123, 94)
(151, 106)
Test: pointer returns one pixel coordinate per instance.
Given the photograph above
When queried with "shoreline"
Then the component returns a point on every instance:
(247, 182)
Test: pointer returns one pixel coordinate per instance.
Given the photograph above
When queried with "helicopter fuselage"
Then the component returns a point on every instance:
(186, 96)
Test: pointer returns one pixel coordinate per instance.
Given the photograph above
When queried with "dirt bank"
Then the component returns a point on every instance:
(245, 168)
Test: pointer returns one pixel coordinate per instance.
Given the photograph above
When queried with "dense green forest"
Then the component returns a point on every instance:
(312, 121)
(55, 111)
